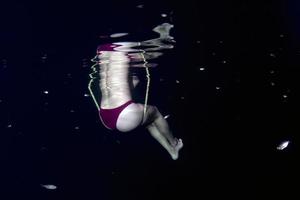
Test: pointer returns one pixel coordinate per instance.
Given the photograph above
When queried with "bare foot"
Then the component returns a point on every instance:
(174, 152)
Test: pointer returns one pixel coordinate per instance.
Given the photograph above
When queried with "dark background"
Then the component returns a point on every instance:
(231, 116)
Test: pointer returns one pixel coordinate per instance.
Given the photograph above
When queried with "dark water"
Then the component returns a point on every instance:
(230, 87)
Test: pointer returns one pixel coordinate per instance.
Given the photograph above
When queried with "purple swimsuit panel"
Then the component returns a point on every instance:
(110, 116)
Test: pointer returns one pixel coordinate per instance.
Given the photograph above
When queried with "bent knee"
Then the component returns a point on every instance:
(151, 115)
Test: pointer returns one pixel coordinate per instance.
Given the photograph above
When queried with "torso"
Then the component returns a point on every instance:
(114, 85)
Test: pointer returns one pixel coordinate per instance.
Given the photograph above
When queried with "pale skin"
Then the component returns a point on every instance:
(115, 90)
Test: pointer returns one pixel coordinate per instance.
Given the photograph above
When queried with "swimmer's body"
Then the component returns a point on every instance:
(117, 109)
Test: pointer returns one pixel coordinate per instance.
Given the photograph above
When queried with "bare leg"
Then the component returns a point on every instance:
(159, 129)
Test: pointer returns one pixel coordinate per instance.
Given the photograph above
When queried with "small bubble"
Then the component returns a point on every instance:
(117, 35)
(285, 96)
(76, 127)
(86, 95)
(46, 92)
(202, 69)
(281, 35)
(49, 187)
(44, 57)
(272, 55)
(177, 81)
(272, 83)
(167, 116)
(224, 61)
(9, 125)
(218, 88)
(164, 15)
(182, 97)
(140, 6)
(283, 145)
(272, 71)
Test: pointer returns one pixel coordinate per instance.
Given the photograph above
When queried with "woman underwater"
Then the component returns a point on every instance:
(117, 109)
